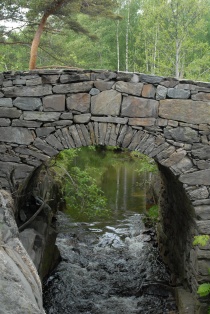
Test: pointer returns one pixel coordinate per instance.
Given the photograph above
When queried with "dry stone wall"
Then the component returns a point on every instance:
(45, 112)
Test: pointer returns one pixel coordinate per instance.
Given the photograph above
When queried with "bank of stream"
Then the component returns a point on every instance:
(110, 265)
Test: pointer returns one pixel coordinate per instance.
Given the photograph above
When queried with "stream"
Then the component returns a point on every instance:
(110, 265)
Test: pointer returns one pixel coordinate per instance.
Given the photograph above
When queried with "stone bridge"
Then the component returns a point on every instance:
(44, 112)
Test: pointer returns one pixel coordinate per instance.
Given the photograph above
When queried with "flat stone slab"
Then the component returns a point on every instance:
(106, 103)
(79, 102)
(27, 91)
(136, 107)
(195, 112)
(54, 103)
(201, 177)
(16, 135)
(27, 103)
(41, 116)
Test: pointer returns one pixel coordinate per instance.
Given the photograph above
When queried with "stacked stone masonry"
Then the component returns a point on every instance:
(44, 112)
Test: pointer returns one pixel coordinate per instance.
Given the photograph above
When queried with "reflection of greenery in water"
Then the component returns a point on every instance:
(96, 181)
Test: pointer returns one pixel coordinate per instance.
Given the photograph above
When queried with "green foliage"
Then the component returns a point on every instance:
(204, 289)
(201, 240)
(151, 216)
(146, 164)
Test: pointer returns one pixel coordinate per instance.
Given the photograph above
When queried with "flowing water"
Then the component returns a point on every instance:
(110, 266)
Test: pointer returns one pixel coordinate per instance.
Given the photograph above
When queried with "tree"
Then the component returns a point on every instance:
(54, 16)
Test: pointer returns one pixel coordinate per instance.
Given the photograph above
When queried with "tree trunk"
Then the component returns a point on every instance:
(36, 42)
(55, 5)
(118, 47)
(127, 38)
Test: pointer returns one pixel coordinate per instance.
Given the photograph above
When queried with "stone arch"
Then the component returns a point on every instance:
(45, 112)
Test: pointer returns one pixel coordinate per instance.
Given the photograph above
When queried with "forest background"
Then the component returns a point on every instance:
(160, 37)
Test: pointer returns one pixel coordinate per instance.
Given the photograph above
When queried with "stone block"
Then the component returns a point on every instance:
(73, 88)
(148, 91)
(110, 119)
(161, 92)
(94, 91)
(27, 103)
(54, 103)
(106, 103)
(201, 96)
(82, 118)
(34, 81)
(141, 121)
(16, 135)
(74, 134)
(44, 147)
(50, 79)
(182, 134)
(129, 88)
(26, 124)
(103, 85)
(185, 110)
(201, 151)
(53, 141)
(41, 116)
(66, 116)
(44, 131)
(5, 122)
(6, 102)
(151, 78)
(27, 91)
(79, 102)
(178, 93)
(200, 177)
(135, 107)
(202, 212)
(11, 113)
(74, 77)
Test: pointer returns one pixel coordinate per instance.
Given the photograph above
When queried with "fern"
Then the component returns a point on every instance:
(204, 289)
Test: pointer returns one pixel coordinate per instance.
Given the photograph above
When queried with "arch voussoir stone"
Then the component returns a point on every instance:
(161, 117)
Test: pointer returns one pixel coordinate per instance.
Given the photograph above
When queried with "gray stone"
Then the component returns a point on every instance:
(178, 93)
(185, 110)
(59, 123)
(16, 135)
(150, 78)
(41, 116)
(202, 212)
(175, 158)
(201, 96)
(81, 136)
(94, 91)
(11, 113)
(43, 146)
(203, 227)
(28, 91)
(141, 121)
(183, 165)
(110, 119)
(102, 86)
(31, 152)
(203, 164)
(82, 118)
(161, 92)
(200, 193)
(7, 83)
(74, 133)
(50, 79)
(26, 124)
(102, 127)
(182, 134)
(54, 103)
(139, 107)
(74, 77)
(44, 131)
(73, 88)
(52, 140)
(66, 116)
(86, 134)
(148, 91)
(68, 138)
(27, 103)
(106, 103)
(127, 137)
(129, 88)
(5, 122)
(34, 81)
(5, 102)
(79, 102)
(201, 151)
(201, 177)
(136, 140)
(1, 95)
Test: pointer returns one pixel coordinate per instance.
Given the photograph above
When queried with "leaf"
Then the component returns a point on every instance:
(201, 240)
(204, 289)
